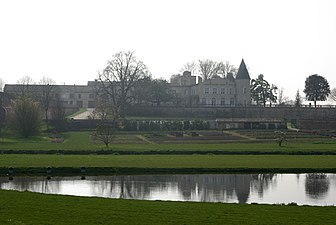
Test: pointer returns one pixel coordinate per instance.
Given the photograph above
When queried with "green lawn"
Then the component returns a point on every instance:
(33, 208)
(81, 141)
(170, 161)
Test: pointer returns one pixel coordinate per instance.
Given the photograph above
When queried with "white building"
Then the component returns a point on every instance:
(214, 92)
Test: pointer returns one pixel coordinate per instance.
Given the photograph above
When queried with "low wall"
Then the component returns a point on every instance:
(303, 117)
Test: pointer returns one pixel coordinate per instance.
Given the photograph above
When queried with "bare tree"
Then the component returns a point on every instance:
(298, 99)
(225, 68)
(46, 94)
(119, 77)
(208, 68)
(2, 115)
(189, 66)
(105, 129)
(25, 80)
(280, 137)
(2, 84)
(24, 85)
(333, 94)
(58, 113)
(104, 132)
(282, 100)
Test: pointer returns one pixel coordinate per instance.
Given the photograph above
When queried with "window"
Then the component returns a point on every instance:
(71, 95)
(70, 102)
(80, 104)
(222, 91)
(206, 90)
(222, 101)
(244, 90)
(203, 101)
(213, 101)
(231, 101)
(214, 91)
(91, 96)
(230, 91)
(185, 92)
(79, 96)
(91, 104)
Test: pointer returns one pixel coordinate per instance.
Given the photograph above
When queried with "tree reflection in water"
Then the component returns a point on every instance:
(242, 188)
(317, 185)
(35, 184)
(209, 187)
(262, 182)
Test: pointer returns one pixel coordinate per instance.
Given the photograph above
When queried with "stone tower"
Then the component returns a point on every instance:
(243, 85)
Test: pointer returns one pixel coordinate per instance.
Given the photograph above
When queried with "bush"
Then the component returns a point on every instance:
(26, 117)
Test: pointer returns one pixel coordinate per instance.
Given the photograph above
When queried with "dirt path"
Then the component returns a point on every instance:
(239, 135)
(145, 139)
(84, 115)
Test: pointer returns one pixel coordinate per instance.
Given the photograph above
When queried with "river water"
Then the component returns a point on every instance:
(303, 189)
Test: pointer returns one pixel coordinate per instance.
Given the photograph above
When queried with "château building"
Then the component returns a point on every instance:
(214, 92)
(190, 91)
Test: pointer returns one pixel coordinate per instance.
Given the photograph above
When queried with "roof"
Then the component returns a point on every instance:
(242, 71)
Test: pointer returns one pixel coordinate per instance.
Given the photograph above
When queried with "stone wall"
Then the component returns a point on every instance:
(304, 117)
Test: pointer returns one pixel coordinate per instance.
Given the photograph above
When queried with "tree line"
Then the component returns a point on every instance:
(126, 79)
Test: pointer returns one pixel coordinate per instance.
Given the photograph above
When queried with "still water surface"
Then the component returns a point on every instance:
(310, 189)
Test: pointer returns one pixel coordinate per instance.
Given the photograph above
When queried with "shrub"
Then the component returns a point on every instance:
(26, 117)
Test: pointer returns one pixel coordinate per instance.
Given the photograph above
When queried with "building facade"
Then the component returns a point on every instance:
(71, 96)
(214, 92)
(190, 91)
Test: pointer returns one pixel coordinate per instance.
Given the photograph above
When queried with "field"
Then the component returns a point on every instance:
(235, 151)
(237, 142)
(171, 161)
(32, 208)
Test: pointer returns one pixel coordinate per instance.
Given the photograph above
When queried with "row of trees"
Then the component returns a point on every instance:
(208, 68)
(126, 79)
(125, 74)
(316, 89)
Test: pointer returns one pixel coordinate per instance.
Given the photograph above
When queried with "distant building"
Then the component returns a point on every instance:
(190, 91)
(72, 96)
(215, 92)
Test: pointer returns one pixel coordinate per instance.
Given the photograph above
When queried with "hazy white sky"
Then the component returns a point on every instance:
(69, 41)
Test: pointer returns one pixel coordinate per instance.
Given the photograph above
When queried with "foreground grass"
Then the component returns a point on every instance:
(80, 141)
(34, 208)
(170, 161)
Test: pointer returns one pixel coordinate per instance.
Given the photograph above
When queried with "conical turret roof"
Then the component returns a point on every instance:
(242, 71)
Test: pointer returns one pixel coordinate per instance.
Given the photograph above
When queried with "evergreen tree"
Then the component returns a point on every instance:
(298, 99)
(316, 88)
(262, 91)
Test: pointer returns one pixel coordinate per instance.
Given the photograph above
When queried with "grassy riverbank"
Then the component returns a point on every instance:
(173, 163)
(34, 208)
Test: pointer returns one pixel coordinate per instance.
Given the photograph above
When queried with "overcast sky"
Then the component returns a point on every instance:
(69, 41)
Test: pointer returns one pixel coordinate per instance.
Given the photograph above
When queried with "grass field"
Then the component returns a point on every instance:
(136, 142)
(197, 156)
(32, 208)
(170, 161)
